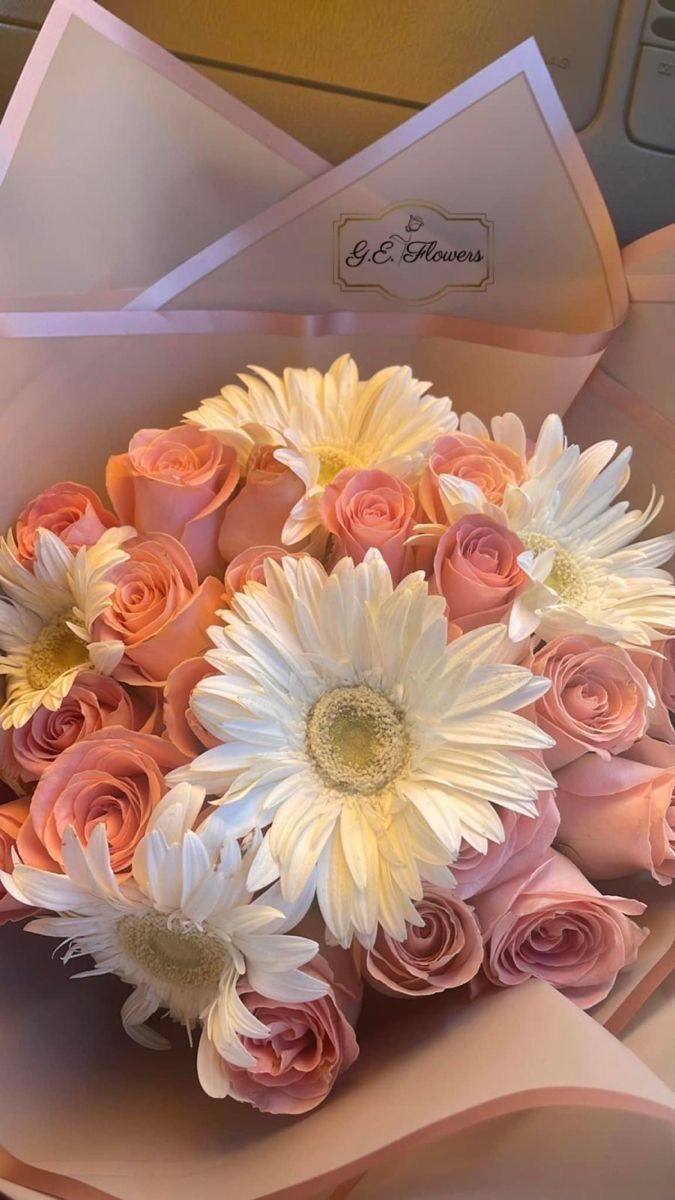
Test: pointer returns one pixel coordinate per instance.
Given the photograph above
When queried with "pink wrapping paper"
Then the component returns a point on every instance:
(150, 1132)
(116, 160)
(635, 378)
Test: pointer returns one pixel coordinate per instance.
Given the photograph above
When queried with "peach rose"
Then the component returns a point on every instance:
(618, 817)
(258, 513)
(476, 571)
(445, 952)
(597, 699)
(659, 671)
(552, 924)
(365, 509)
(249, 567)
(94, 702)
(176, 481)
(72, 511)
(13, 814)
(310, 1044)
(491, 466)
(526, 840)
(114, 777)
(182, 727)
(159, 610)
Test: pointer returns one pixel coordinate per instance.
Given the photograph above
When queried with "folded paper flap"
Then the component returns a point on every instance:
(150, 1131)
(653, 254)
(117, 161)
(482, 206)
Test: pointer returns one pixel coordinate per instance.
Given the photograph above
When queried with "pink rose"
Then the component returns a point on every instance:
(114, 777)
(249, 567)
(476, 571)
(552, 924)
(597, 700)
(490, 465)
(526, 840)
(365, 509)
(72, 511)
(258, 513)
(159, 610)
(183, 729)
(446, 952)
(176, 481)
(659, 671)
(13, 815)
(94, 702)
(310, 1043)
(618, 817)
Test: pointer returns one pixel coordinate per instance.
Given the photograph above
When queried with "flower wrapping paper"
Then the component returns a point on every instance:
(138, 299)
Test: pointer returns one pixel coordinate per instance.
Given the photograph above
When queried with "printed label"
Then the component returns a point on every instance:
(413, 251)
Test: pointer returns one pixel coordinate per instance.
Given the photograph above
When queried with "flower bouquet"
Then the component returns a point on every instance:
(332, 707)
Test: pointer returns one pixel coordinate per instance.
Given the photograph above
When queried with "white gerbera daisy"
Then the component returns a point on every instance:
(508, 430)
(183, 930)
(370, 745)
(324, 423)
(46, 619)
(582, 545)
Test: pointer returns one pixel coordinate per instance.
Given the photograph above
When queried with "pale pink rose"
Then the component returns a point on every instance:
(94, 702)
(183, 729)
(366, 509)
(249, 567)
(176, 481)
(552, 924)
(311, 1043)
(491, 466)
(658, 666)
(446, 952)
(13, 814)
(476, 571)
(597, 699)
(618, 817)
(526, 840)
(71, 511)
(115, 778)
(258, 512)
(159, 610)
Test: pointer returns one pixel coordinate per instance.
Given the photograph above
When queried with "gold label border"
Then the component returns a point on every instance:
(481, 218)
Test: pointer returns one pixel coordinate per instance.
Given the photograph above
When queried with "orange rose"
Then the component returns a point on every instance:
(94, 702)
(258, 513)
(159, 610)
(13, 815)
(72, 511)
(176, 481)
(183, 729)
(491, 466)
(249, 567)
(114, 778)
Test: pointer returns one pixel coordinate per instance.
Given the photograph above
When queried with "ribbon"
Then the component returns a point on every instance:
(556, 343)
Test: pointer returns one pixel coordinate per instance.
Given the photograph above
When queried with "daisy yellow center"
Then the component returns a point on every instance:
(566, 577)
(357, 740)
(55, 651)
(332, 460)
(191, 958)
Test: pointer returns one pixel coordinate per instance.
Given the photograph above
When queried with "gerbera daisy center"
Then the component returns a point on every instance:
(566, 577)
(357, 740)
(189, 957)
(332, 460)
(55, 651)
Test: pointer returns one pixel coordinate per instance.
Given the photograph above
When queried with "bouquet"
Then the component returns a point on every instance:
(330, 659)
(336, 741)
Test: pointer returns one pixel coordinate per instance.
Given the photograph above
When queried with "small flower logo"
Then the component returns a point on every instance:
(414, 223)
